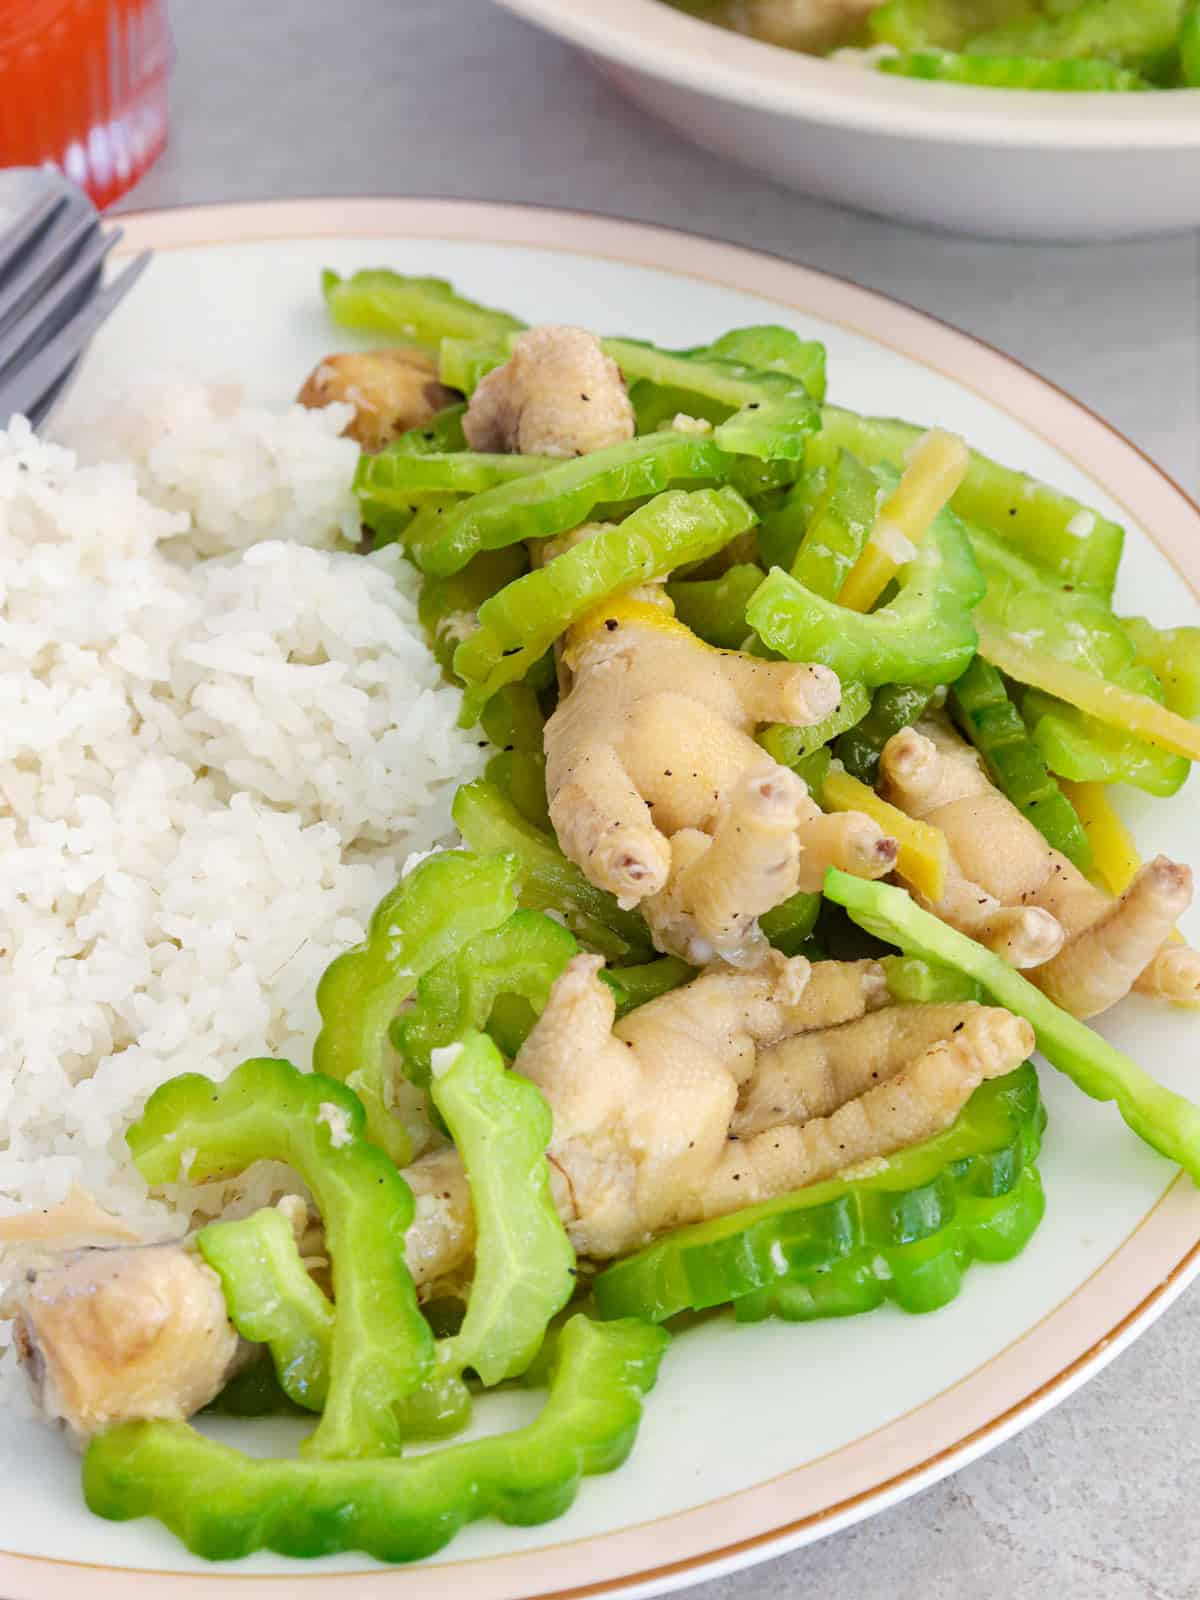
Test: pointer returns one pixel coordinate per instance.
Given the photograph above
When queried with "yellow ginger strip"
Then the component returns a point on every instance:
(937, 466)
(924, 858)
(1119, 708)
(1115, 858)
(622, 610)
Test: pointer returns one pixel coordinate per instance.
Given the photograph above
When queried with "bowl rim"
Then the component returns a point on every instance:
(652, 38)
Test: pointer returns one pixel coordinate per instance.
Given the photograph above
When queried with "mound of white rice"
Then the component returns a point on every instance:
(240, 474)
(219, 738)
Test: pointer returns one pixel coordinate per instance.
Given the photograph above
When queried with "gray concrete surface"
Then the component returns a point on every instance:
(306, 97)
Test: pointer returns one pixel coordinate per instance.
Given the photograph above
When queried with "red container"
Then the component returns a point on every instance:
(83, 87)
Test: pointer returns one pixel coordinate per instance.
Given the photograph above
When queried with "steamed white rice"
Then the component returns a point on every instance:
(220, 736)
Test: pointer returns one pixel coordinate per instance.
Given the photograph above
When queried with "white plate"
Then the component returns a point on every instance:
(1009, 164)
(757, 1438)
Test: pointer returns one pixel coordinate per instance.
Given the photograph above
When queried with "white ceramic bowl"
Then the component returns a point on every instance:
(1009, 164)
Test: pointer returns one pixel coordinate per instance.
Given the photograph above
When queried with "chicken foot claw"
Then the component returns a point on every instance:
(663, 792)
(737, 1086)
(721, 884)
(606, 827)
(907, 1105)
(1107, 956)
(1011, 889)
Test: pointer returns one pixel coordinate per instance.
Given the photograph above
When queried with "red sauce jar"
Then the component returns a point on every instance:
(83, 87)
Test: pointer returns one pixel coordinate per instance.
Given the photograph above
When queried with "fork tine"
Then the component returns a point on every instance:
(40, 413)
(31, 385)
(28, 224)
(21, 278)
(51, 308)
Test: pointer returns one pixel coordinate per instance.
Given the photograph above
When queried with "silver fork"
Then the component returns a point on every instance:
(52, 294)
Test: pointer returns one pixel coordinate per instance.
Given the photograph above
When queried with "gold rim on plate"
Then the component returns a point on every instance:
(1049, 1360)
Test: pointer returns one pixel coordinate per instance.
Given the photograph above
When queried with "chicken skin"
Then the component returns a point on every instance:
(391, 390)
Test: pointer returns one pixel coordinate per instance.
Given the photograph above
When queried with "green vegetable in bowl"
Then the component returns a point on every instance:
(789, 745)
(1065, 45)
(766, 347)
(996, 71)
(1042, 664)
(520, 775)
(394, 479)
(914, 982)
(1173, 655)
(838, 529)
(715, 608)
(369, 1363)
(1189, 47)
(448, 607)
(489, 821)
(1078, 747)
(635, 986)
(940, 24)
(771, 412)
(1139, 34)
(524, 1264)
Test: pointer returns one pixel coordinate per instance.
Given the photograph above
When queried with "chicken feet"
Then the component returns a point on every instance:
(1011, 890)
(734, 1088)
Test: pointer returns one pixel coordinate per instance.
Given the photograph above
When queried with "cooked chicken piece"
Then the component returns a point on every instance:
(1174, 974)
(721, 883)
(815, 25)
(839, 991)
(640, 1111)
(1013, 891)
(391, 391)
(76, 1221)
(812, 1074)
(1123, 944)
(691, 1059)
(915, 1099)
(557, 395)
(734, 1088)
(846, 839)
(660, 794)
(442, 1235)
(113, 1335)
(769, 841)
